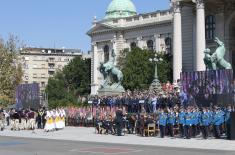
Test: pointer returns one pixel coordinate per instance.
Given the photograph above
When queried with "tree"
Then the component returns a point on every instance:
(138, 71)
(70, 83)
(10, 69)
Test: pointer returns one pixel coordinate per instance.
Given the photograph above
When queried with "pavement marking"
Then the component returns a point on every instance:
(109, 150)
(12, 143)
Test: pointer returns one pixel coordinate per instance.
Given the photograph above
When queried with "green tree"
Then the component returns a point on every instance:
(138, 71)
(70, 83)
(10, 69)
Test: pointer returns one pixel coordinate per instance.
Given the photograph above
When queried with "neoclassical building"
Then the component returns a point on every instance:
(195, 25)
(185, 30)
(122, 28)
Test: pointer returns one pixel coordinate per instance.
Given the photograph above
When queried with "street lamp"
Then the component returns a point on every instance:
(155, 85)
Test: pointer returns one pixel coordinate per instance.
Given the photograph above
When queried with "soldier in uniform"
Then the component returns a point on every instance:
(205, 123)
(188, 123)
(162, 123)
(171, 122)
(181, 119)
(119, 121)
(2, 120)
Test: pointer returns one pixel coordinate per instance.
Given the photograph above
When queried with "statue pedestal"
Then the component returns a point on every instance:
(111, 90)
(156, 86)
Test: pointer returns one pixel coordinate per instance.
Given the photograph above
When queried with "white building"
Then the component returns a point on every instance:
(196, 23)
(191, 24)
(122, 28)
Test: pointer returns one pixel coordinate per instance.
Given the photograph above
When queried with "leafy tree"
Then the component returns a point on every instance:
(65, 87)
(10, 69)
(139, 71)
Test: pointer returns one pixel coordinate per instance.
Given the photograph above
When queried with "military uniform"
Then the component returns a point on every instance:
(2, 120)
(162, 124)
(205, 123)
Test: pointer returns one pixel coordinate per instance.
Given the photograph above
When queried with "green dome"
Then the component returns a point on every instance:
(120, 8)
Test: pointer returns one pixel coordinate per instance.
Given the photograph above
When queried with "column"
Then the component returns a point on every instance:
(200, 36)
(140, 42)
(157, 42)
(94, 80)
(177, 41)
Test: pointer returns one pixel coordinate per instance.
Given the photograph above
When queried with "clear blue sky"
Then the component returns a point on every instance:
(59, 23)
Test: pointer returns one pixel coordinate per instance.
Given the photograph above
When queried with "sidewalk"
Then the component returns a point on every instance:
(88, 135)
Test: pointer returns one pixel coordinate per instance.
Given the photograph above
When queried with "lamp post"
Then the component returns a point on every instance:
(155, 85)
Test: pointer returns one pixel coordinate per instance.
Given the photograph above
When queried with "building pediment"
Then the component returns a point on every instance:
(99, 28)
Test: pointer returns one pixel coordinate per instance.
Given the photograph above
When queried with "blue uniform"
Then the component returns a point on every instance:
(181, 119)
(162, 119)
(171, 118)
(205, 119)
(188, 119)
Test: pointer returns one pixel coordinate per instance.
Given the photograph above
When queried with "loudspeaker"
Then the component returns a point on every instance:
(231, 127)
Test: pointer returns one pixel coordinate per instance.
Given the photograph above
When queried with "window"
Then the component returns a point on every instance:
(34, 75)
(106, 53)
(150, 45)
(35, 66)
(210, 27)
(133, 45)
(43, 66)
(168, 44)
(43, 84)
(43, 76)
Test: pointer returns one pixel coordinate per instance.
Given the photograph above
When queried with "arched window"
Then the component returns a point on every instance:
(168, 44)
(106, 53)
(150, 45)
(133, 45)
(210, 27)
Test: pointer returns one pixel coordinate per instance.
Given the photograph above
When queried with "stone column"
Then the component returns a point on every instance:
(94, 80)
(157, 42)
(140, 42)
(200, 36)
(177, 40)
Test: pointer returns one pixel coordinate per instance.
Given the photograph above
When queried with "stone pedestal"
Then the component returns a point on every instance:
(111, 91)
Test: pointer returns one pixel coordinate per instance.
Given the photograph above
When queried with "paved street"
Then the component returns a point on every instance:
(26, 146)
(88, 135)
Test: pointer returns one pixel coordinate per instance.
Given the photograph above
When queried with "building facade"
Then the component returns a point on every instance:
(195, 25)
(185, 30)
(122, 28)
(39, 64)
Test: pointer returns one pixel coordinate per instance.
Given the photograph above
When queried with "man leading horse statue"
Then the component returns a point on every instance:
(112, 75)
(214, 61)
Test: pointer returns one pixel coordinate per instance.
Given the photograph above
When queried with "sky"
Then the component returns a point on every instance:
(59, 23)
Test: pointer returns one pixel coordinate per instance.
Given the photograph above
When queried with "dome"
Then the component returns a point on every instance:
(120, 8)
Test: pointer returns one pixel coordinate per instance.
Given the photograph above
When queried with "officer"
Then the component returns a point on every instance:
(2, 119)
(205, 123)
(181, 121)
(227, 121)
(217, 122)
(119, 121)
(194, 122)
(162, 123)
(171, 122)
(188, 123)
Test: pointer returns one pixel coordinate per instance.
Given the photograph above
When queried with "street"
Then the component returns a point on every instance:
(28, 146)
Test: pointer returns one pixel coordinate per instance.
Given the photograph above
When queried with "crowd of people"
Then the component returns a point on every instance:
(29, 119)
(169, 112)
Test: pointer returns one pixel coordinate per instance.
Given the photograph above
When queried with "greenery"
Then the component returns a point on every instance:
(10, 70)
(70, 83)
(139, 71)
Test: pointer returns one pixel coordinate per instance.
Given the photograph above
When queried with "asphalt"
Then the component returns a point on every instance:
(31, 146)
